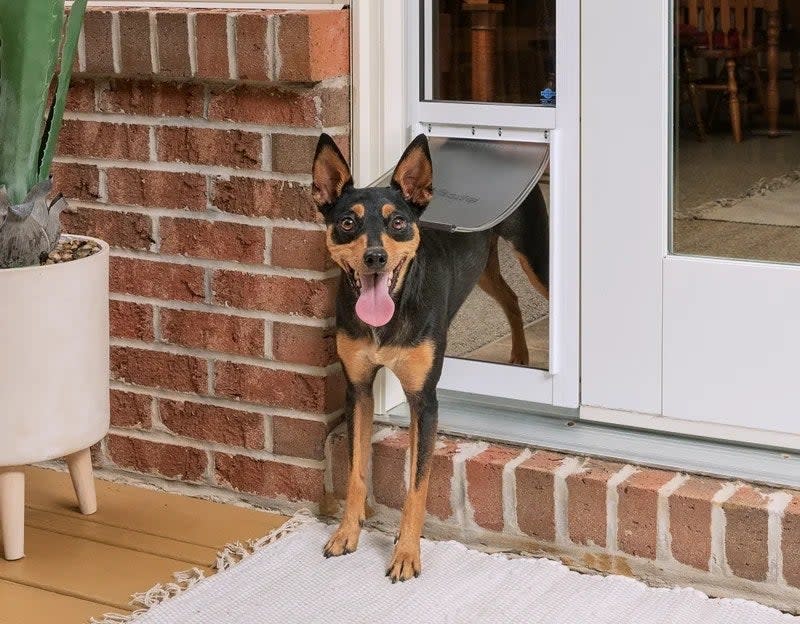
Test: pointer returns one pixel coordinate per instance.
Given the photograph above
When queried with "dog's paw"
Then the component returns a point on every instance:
(343, 542)
(405, 563)
(520, 356)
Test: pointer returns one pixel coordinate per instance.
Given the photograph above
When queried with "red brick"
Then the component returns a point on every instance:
(265, 198)
(97, 34)
(213, 332)
(275, 106)
(278, 388)
(159, 280)
(440, 484)
(340, 462)
(790, 543)
(213, 240)
(129, 409)
(131, 320)
(168, 460)
(134, 46)
(690, 521)
(389, 470)
(270, 293)
(586, 509)
(746, 533)
(80, 182)
(173, 44)
(269, 478)
(183, 191)
(80, 96)
(535, 495)
(298, 437)
(152, 99)
(205, 146)
(96, 139)
(252, 58)
(637, 520)
(334, 106)
(212, 44)
(313, 45)
(215, 424)
(485, 485)
(294, 153)
(300, 344)
(183, 373)
(300, 249)
(119, 229)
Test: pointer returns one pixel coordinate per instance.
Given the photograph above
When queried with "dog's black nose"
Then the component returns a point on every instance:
(375, 257)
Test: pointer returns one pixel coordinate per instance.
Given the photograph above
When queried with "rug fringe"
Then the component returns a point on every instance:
(229, 556)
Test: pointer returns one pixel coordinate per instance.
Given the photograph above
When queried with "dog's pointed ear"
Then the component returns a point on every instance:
(413, 175)
(330, 173)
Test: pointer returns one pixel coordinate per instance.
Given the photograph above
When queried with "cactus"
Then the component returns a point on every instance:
(34, 40)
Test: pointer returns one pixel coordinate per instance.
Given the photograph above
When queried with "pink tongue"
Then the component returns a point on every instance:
(374, 306)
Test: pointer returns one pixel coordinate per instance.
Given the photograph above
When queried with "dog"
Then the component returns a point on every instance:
(400, 287)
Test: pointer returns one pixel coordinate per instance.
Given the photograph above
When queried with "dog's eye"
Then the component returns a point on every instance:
(347, 223)
(398, 223)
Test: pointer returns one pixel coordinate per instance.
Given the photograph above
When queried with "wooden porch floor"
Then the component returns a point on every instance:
(82, 566)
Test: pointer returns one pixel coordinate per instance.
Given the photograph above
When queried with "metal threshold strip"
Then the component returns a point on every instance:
(510, 422)
(477, 183)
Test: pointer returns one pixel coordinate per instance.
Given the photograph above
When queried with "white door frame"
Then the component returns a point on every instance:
(638, 300)
(382, 125)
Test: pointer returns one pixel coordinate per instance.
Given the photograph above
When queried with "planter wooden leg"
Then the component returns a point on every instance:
(12, 511)
(80, 469)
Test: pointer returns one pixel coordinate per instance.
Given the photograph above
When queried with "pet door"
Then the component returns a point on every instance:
(478, 183)
(494, 86)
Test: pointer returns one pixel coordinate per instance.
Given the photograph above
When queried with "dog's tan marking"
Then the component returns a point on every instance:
(534, 279)
(401, 252)
(386, 210)
(358, 210)
(493, 284)
(406, 562)
(347, 255)
(360, 357)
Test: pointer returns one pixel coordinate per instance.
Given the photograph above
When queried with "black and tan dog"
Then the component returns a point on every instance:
(401, 286)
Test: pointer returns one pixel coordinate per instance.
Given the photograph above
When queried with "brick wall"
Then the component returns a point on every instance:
(187, 145)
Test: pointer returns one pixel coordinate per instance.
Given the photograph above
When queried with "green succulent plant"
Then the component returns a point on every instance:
(37, 49)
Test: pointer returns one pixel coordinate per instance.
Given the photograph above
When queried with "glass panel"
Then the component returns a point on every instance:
(502, 51)
(736, 143)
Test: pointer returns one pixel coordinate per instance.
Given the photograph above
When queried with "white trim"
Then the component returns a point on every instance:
(656, 422)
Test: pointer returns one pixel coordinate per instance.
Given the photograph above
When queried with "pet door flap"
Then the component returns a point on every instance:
(477, 183)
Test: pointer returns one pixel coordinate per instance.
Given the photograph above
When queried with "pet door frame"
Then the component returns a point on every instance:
(558, 126)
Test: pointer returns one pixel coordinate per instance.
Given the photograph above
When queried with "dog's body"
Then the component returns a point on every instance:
(401, 286)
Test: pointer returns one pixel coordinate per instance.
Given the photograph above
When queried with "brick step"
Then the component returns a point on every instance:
(728, 538)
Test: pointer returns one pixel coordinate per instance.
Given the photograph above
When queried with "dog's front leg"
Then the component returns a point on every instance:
(424, 416)
(359, 412)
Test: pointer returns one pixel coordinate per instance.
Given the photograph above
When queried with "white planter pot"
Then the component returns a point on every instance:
(54, 359)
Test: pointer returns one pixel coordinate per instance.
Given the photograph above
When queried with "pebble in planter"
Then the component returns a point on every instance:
(54, 346)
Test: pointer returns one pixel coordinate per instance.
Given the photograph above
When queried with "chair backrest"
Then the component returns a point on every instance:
(721, 18)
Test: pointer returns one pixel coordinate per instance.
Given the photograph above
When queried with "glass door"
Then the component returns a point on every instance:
(507, 72)
(691, 180)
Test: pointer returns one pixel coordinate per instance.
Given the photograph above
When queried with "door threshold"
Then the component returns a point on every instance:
(557, 429)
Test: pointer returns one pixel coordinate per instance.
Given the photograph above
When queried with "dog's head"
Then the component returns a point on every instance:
(373, 233)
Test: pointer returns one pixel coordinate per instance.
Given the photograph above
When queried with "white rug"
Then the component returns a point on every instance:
(768, 202)
(288, 581)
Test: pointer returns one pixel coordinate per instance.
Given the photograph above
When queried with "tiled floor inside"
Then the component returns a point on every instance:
(78, 567)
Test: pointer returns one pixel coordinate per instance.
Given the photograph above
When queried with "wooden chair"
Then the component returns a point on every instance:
(719, 30)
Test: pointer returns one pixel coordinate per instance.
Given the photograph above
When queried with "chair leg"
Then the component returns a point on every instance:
(698, 115)
(796, 80)
(80, 469)
(733, 99)
(12, 512)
